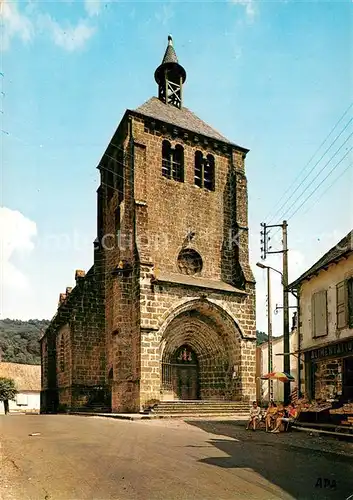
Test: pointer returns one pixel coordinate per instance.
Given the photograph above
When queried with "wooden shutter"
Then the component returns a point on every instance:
(319, 314)
(350, 302)
(341, 304)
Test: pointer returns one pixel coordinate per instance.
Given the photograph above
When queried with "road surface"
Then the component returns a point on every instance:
(79, 458)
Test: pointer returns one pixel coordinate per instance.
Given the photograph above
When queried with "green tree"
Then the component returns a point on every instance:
(8, 391)
(261, 337)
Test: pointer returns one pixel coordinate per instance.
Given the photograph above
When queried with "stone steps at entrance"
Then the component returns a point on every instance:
(202, 408)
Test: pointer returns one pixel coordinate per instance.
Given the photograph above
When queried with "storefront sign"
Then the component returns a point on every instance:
(340, 349)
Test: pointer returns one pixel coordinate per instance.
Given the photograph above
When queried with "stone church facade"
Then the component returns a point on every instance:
(167, 311)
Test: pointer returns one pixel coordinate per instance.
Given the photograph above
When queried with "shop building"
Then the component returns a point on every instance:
(325, 294)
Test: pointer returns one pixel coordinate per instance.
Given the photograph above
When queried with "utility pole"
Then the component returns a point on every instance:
(265, 250)
(269, 333)
(286, 348)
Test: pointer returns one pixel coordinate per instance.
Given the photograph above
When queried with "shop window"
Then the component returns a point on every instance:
(319, 314)
(328, 379)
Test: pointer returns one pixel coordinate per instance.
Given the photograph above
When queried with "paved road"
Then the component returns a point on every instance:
(79, 458)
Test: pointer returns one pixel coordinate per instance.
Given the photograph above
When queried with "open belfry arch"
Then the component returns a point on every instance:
(167, 311)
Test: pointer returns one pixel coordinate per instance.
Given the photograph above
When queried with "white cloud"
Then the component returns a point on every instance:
(22, 25)
(16, 236)
(249, 7)
(70, 37)
(14, 24)
(93, 7)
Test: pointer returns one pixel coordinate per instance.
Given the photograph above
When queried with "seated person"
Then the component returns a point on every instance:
(288, 416)
(255, 415)
(270, 415)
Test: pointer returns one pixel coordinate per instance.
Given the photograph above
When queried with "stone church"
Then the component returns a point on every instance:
(167, 311)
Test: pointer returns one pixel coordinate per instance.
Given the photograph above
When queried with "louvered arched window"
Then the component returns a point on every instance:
(166, 159)
(204, 176)
(198, 169)
(178, 163)
(173, 161)
(208, 173)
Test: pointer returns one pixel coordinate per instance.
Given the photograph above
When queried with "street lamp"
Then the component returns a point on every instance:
(259, 264)
(269, 323)
(286, 356)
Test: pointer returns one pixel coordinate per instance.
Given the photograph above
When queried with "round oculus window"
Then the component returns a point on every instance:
(189, 262)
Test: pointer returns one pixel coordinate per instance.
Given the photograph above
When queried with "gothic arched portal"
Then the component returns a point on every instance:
(207, 340)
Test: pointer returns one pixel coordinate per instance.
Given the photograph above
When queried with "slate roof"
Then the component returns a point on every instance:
(342, 248)
(183, 118)
(170, 54)
(26, 377)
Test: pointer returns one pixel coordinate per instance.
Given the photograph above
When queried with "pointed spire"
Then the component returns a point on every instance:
(170, 76)
(170, 54)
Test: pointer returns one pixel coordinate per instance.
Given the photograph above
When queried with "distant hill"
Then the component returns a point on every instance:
(261, 337)
(19, 340)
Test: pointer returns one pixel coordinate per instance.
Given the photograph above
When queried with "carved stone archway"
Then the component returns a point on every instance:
(214, 341)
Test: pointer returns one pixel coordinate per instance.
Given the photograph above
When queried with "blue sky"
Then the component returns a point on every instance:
(274, 77)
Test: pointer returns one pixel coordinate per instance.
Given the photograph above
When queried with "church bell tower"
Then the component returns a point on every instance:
(170, 76)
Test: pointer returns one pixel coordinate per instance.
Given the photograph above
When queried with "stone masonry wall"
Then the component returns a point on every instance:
(160, 303)
(122, 283)
(64, 365)
(175, 208)
(80, 322)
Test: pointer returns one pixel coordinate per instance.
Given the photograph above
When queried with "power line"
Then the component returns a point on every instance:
(312, 157)
(329, 187)
(318, 174)
(320, 184)
(311, 170)
(323, 180)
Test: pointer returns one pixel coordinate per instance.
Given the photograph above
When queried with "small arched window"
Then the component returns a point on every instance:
(173, 161)
(178, 163)
(198, 169)
(166, 159)
(208, 180)
(204, 176)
